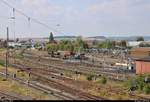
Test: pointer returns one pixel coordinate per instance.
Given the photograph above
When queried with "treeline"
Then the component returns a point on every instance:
(112, 44)
(68, 45)
(80, 45)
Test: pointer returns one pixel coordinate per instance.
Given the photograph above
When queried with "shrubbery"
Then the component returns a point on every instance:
(104, 80)
(146, 89)
(2, 63)
(138, 83)
(90, 77)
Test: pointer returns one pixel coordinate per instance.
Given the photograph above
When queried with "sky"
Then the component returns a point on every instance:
(77, 17)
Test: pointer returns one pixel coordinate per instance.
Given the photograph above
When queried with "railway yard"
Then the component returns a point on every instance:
(74, 50)
(66, 79)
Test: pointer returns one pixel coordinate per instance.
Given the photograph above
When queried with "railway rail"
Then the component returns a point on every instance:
(6, 96)
(112, 90)
(62, 87)
(83, 70)
(88, 66)
(43, 88)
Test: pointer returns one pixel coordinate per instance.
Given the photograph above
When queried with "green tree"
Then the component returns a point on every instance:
(105, 44)
(80, 45)
(51, 37)
(140, 39)
(66, 45)
(52, 47)
(36, 45)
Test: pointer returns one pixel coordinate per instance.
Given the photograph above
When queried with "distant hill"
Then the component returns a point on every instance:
(98, 37)
(129, 38)
(65, 37)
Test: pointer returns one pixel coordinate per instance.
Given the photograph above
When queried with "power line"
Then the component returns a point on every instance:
(33, 19)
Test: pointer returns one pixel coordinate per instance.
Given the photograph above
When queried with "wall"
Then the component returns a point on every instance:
(142, 67)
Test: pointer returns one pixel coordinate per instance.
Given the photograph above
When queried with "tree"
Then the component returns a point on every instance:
(51, 38)
(105, 44)
(140, 39)
(37, 45)
(144, 45)
(66, 45)
(52, 47)
(80, 45)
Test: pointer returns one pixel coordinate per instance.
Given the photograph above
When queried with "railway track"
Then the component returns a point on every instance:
(48, 72)
(62, 69)
(83, 70)
(40, 87)
(62, 87)
(6, 96)
(60, 61)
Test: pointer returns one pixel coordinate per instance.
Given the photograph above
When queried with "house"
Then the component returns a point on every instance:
(143, 65)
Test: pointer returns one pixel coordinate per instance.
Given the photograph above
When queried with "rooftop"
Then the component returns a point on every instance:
(141, 49)
(147, 59)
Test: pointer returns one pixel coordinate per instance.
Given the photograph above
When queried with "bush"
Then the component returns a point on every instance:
(2, 63)
(90, 77)
(104, 80)
(131, 84)
(140, 82)
(146, 89)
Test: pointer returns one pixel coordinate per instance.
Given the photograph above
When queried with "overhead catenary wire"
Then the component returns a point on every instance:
(33, 19)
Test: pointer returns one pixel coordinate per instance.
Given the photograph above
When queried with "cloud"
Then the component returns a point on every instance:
(118, 7)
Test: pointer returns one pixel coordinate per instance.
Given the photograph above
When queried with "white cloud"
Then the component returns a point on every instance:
(113, 6)
(118, 7)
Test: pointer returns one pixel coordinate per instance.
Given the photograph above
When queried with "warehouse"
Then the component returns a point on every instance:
(143, 65)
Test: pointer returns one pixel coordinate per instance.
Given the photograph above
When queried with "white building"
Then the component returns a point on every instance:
(13, 44)
(134, 43)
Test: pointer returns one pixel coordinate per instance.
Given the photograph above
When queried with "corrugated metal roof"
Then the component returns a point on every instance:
(144, 49)
(147, 59)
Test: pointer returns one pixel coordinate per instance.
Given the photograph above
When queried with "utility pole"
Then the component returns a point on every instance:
(6, 71)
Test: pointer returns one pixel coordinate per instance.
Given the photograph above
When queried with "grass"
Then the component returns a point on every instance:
(2, 49)
(19, 56)
(11, 86)
(11, 70)
(104, 88)
(1, 79)
(2, 63)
